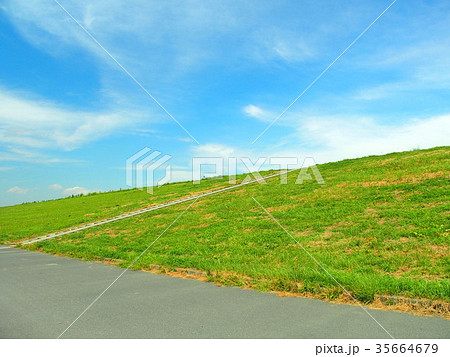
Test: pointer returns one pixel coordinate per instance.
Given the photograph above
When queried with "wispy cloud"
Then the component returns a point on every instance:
(330, 138)
(18, 190)
(182, 37)
(419, 67)
(258, 113)
(214, 150)
(277, 44)
(37, 124)
(76, 191)
(143, 132)
(381, 91)
(185, 140)
(349, 135)
(11, 153)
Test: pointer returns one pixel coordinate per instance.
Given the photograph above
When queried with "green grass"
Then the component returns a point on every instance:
(38, 218)
(380, 225)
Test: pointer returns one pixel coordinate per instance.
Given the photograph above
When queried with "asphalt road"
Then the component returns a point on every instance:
(40, 295)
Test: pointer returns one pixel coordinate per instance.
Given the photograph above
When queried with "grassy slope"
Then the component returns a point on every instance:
(38, 218)
(378, 225)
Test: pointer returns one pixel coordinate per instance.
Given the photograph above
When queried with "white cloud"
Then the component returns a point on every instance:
(366, 136)
(37, 124)
(31, 156)
(76, 191)
(214, 150)
(143, 132)
(384, 90)
(43, 23)
(340, 137)
(186, 140)
(332, 138)
(55, 187)
(421, 67)
(257, 112)
(275, 43)
(181, 37)
(18, 190)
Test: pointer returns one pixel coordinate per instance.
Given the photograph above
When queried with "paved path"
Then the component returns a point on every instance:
(40, 295)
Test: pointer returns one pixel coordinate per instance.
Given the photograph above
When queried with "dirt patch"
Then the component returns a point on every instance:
(339, 225)
(432, 204)
(237, 191)
(110, 261)
(262, 218)
(440, 250)
(432, 153)
(401, 272)
(202, 225)
(176, 228)
(315, 243)
(304, 233)
(96, 234)
(385, 162)
(109, 232)
(331, 192)
(281, 208)
(178, 272)
(382, 204)
(195, 193)
(328, 234)
(371, 212)
(405, 179)
(415, 306)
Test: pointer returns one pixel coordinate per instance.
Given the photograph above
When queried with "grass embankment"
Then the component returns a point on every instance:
(39, 218)
(380, 225)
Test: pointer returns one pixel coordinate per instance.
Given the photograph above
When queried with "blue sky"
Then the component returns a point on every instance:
(70, 117)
